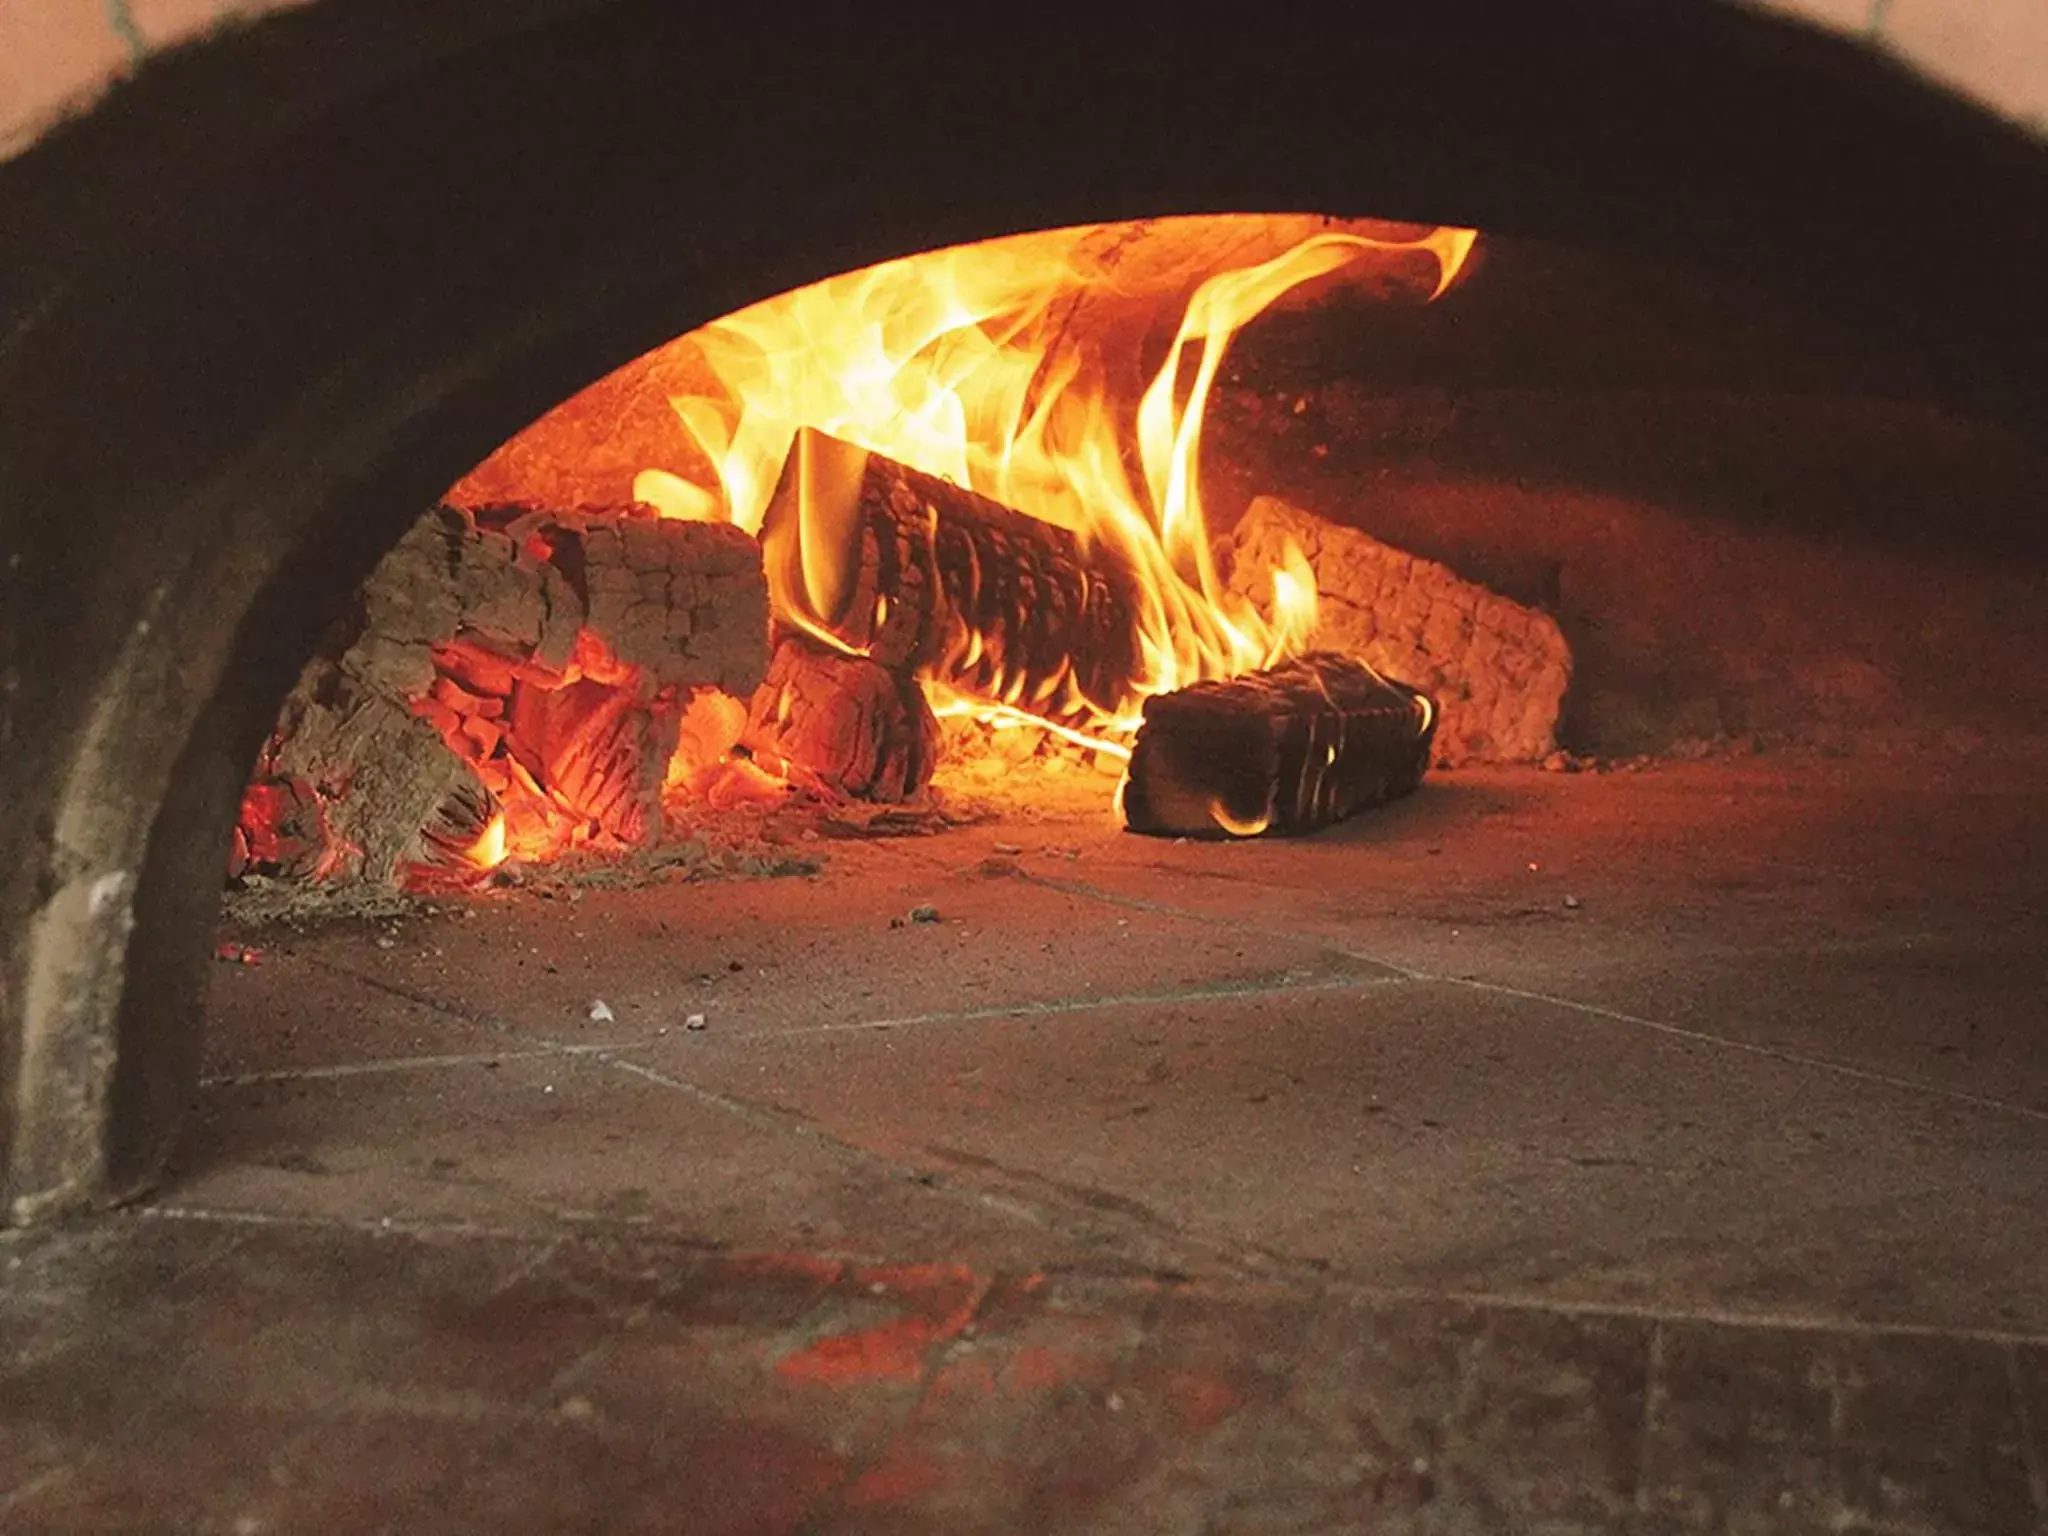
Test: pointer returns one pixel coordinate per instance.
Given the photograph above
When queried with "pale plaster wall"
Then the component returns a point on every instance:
(1993, 50)
(59, 56)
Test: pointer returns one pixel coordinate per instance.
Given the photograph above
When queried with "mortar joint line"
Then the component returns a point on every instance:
(2030, 1446)
(1593, 1010)
(1748, 1047)
(1702, 1317)
(1653, 1387)
(1308, 1282)
(386, 1065)
(1052, 1007)
(1214, 992)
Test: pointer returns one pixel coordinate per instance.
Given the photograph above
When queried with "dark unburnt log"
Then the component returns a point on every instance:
(924, 576)
(844, 724)
(1287, 750)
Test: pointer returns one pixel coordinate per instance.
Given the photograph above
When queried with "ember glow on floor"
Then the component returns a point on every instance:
(1652, 1151)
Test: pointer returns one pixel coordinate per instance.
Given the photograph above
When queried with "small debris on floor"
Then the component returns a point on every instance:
(924, 914)
(1011, 849)
(385, 941)
(695, 1021)
(996, 866)
(1572, 903)
(238, 954)
(600, 1012)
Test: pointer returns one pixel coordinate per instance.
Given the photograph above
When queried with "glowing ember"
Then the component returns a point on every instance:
(488, 851)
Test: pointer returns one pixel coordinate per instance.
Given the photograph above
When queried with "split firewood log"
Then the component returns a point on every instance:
(384, 778)
(923, 576)
(1287, 750)
(507, 659)
(842, 724)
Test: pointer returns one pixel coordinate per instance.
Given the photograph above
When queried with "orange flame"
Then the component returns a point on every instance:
(960, 363)
(488, 851)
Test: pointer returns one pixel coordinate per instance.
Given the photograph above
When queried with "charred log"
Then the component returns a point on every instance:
(510, 661)
(1288, 750)
(921, 575)
(356, 788)
(844, 724)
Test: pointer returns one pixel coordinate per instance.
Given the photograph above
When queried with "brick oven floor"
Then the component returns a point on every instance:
(1647, 1152)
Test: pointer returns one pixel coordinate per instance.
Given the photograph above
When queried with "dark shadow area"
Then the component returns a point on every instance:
(1589, 369)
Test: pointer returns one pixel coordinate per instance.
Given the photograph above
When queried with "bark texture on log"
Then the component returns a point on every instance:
(1288, 750)
(924, 576)
(1497, 670)
(845, 723)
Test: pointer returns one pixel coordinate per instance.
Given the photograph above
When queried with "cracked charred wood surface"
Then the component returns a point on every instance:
(924, 576)
(854, 726)
(507, 658)
(373, 788)
(1287, 750)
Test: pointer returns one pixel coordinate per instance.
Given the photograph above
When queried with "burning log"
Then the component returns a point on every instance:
(357, 788)
(1288, 750)
(922, 576)
(844, 723)
(513, 688)
(1497, 670)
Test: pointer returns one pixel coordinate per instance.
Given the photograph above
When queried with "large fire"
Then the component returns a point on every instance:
(966, 364)
(1019, 421)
